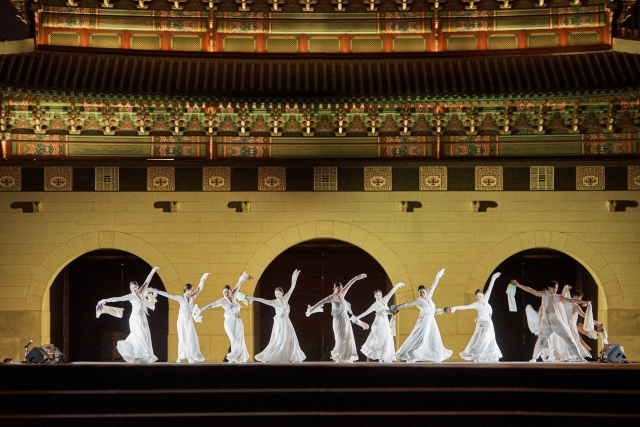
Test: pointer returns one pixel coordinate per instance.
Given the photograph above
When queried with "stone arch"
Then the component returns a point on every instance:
(53, 264)
(357, 236)
(584, 253)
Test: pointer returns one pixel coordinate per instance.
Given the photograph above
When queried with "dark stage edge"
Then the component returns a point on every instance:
(328, 394)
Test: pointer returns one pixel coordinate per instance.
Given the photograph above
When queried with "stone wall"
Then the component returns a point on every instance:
(206, 235)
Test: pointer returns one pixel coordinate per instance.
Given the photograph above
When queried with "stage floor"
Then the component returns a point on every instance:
(321, 393)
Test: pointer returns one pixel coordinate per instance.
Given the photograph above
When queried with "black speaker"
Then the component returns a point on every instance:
(37, 355)
(613, 353)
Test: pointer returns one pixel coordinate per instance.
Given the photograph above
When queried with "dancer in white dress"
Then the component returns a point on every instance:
(553, 318)
(555, 349)
(232, 321)
(137, 347)
(379, 345)
(482, 347)
(283, 346)
(424, 343)
(345, 349)
(188, 343)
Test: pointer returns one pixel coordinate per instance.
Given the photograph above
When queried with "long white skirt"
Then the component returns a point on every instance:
(188, 342)
(235, 331)
(482, 347)
(283, 346)
(379, 343)
(424, 343)
(345, 349)
(137, 347)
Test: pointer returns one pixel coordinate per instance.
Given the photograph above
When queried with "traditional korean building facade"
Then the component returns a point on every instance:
(214, 135)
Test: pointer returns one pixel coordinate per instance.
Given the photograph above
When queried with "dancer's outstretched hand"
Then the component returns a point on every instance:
(496, 275)
(440, 273)
(361, 276)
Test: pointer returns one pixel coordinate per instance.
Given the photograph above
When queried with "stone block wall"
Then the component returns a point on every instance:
(206, 235)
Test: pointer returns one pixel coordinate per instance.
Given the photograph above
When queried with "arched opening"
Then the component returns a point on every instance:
(534, 268)
(76, 290)
(322, 262)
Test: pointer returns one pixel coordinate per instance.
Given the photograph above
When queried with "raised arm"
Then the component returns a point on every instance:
(270, 302)
(318, 307)
(574, 300)
(388, 296)
(200, 285)
(145, 285)
(294, 279)
(528, 289)
(241, 280)
(463, 307)
(578, 310)
(369, 310)
(351, 282)
(164, 294)
(408, 304)
(212, 305)
(487, 294)
(115, 299)
(435, 283)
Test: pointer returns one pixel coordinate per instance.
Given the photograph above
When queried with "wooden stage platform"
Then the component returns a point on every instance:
(328, 394)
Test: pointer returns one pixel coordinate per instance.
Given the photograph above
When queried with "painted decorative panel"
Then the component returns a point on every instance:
(590, 178)
(488, 178)
(216, 179)
(178, 150)
(58, 178)
(272, 179)
(633, 178)
(377, 178)
(10, 178)
(161, 179)
(433, 178)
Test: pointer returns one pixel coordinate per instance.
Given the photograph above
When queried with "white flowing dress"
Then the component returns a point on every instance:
(283, 345)
(188, 342)
(424, 343)
(379, 344)
(553, 319)
(345, 349)
(482, 347)
(233, 325)
(137, 347)
(556, 349)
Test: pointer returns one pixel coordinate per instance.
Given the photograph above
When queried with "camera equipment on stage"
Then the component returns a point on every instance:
(47, 353)
(613, 353)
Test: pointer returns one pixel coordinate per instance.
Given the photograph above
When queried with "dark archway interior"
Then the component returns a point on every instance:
(534, 268)
(322, 262)
(73, 296)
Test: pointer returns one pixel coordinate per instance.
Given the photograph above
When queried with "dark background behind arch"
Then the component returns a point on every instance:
(91, 277)
(534, 268)
(322, 262)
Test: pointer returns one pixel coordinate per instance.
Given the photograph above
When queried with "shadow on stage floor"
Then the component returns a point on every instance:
(170, 394)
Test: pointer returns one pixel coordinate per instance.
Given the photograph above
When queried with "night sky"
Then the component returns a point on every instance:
(11, 27)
